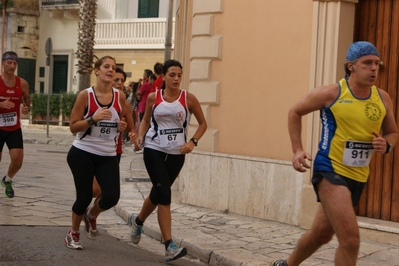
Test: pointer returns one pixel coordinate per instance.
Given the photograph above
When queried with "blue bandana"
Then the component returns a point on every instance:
(9, 57)
(359, 49)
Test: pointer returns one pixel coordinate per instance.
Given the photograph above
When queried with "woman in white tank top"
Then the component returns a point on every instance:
(163, 133)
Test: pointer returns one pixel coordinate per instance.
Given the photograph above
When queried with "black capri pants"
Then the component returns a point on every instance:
(163, 170)
(84, 166)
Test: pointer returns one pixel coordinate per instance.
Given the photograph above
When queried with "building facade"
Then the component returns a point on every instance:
(132, 31)
(248, 62)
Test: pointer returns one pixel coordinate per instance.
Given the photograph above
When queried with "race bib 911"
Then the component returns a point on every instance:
(357, 153)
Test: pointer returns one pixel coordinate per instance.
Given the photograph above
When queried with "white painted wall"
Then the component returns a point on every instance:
(64, 36)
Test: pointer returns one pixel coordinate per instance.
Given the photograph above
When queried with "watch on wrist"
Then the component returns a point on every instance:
(90, 120)
(389, 147)
(195, 141)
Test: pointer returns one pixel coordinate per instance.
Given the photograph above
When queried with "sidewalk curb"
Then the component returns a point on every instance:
(208, 256)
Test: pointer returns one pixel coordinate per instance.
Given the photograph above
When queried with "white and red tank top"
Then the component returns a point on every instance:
(169, 124)
(100, 138)
(10, 118)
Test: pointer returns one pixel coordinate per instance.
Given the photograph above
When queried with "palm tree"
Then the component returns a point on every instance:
(86, 25)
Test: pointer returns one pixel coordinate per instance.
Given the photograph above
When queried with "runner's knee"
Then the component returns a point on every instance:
(109, 201)
(16, 159)
(350, 241)
(161, 195)
(81, 203)
(323, 238)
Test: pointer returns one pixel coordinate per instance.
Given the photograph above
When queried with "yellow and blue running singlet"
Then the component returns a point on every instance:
(346, 146)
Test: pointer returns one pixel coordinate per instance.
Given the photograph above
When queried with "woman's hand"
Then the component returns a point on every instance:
(102, 114)
(138, 145)
(122, 125)
(187, 147)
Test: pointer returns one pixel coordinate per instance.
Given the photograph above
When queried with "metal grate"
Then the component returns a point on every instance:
(131, 179)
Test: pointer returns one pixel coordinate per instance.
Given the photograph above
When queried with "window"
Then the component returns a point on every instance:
(41, 87)
(41, 72)
(148, 8)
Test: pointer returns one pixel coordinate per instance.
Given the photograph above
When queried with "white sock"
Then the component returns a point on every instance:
(8, 179)
(89, 214)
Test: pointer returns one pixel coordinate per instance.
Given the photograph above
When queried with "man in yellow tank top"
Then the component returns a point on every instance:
(357, 120)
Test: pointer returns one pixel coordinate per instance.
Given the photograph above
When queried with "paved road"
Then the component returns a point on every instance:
(41, 246)
(44, 196)
(35, 221)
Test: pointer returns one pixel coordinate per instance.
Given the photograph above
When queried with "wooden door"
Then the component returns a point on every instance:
(377, 21)
(60, 74)
(27, 71)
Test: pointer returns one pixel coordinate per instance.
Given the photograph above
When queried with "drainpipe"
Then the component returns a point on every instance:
(168, 39)
(3, 33)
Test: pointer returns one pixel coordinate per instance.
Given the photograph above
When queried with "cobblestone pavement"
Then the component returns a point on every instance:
(210, 236)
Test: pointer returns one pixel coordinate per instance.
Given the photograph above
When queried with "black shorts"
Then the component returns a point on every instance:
(355, 187)
(13, 139)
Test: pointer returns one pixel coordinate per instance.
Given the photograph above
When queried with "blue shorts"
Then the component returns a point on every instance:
(355, 187)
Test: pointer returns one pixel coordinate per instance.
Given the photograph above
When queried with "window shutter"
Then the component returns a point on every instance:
(148, 8)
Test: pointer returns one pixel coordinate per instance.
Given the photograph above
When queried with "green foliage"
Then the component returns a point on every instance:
(10, 3)
(55, 105)
(39, 105)
(59, 104)
(67, 102)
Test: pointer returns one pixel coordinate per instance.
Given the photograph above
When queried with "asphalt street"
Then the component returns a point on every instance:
(42, 246)
(41, 210)
(33, 224)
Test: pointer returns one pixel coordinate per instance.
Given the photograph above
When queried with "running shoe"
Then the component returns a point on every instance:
(278, 263)
(9, 192)
(72, 240)
(135, 232)
(173, 252)
(90, 226)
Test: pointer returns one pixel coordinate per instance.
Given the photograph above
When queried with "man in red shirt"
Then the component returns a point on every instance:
(158, 73)
(143, 91)
(14, 91)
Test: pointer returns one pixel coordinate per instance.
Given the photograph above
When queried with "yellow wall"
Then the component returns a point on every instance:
(143, 59)
(248, 62)
(263, 71)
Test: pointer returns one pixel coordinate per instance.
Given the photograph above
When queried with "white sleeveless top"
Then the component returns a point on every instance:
(169, 124)
(100, 138)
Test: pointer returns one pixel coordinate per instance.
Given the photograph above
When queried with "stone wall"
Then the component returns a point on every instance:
(262, 188)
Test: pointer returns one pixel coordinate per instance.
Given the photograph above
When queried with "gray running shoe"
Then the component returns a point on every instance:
(9, 192)
(278, 263)
(173, 252)
(135, 232)
(90, 226)
(72, 241)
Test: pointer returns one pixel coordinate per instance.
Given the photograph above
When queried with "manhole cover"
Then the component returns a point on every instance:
(131, 179)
